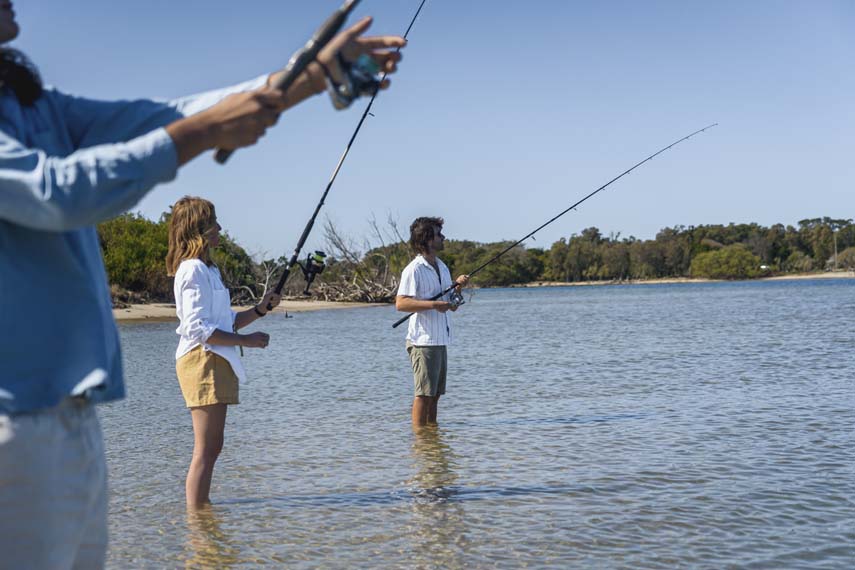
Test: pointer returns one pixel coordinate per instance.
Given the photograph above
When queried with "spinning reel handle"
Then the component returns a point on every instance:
(456, 299)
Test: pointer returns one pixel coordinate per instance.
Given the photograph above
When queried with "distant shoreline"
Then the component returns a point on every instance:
(160, 312)
(671, 280)
(164, 312)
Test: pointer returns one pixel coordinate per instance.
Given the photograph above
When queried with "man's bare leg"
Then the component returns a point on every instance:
(431, 414)
(421, 407)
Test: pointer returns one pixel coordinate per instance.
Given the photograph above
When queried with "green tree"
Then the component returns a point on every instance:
(729, 262)
(846, 259)
(134, 250)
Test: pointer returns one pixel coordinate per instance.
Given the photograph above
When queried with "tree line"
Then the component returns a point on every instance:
(134, 250)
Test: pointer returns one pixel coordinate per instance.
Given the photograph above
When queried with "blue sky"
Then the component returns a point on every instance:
(502, 114)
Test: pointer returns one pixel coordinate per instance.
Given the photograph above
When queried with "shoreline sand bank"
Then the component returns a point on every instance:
(155, 312)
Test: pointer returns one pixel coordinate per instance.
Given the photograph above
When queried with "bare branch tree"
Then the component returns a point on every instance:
(268, 269)
(358, 276)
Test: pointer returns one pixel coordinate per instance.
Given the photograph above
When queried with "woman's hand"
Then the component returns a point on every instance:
(269, 301)
(255, 340)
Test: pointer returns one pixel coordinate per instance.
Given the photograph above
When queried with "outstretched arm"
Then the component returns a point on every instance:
(91, 122)
(125, 148)
(193, 134)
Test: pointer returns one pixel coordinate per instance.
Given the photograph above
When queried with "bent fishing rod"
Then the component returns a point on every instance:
(315, 261)
(573, 207)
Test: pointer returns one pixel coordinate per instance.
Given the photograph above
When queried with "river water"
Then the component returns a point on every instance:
(646, 426)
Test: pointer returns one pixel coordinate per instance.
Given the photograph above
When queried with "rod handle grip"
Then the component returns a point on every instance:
(402, 320)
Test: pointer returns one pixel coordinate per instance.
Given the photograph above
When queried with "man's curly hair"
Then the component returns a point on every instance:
(421, 233)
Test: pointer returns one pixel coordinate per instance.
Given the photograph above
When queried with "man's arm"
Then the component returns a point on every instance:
(99, 181)
(93, 122)
(412, 305)
(52, 193)
(193, 135)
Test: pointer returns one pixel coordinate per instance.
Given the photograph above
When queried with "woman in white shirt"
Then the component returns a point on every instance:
(207, 361)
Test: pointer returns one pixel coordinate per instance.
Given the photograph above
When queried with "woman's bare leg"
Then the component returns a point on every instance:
(209, 423)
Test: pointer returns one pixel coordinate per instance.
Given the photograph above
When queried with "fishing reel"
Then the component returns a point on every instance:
(360, 78)
(455, 299)
(314, 265)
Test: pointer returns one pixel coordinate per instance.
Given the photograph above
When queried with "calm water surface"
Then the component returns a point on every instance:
(655, 426)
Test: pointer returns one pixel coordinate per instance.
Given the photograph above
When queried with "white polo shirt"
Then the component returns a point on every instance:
(420, 281)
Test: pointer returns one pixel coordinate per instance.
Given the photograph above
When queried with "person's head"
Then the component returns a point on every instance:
(193, 231)
(426, 235)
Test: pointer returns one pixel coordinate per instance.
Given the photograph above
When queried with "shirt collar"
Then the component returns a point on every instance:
(422, 261)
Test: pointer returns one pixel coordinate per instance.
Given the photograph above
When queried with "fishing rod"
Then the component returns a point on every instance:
(459, 300)
(315, 261)
(304, 56)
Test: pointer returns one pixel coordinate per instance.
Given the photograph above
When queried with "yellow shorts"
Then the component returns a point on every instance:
(206, 378)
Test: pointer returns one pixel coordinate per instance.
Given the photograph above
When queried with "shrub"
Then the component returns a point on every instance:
(731, 262)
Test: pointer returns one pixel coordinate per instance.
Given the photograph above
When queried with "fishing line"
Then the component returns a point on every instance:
(573, 207)
(315, 261)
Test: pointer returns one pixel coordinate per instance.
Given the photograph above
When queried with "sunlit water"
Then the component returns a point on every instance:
(655, 426)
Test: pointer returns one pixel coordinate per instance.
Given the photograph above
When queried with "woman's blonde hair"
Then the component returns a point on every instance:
(191, 219)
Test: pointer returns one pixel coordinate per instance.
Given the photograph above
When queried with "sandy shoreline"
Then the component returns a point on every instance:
(154, 312)
(166, 312)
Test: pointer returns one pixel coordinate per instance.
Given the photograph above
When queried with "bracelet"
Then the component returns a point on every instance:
(257, 312)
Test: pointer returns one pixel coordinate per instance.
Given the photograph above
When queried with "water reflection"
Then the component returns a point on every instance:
(433, 463)
(208, 546)
(437, 529)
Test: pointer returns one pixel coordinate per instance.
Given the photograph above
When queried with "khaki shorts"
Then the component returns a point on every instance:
(430, 365)
(206, 378)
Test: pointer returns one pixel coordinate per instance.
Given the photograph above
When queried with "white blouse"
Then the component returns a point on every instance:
(203, 305)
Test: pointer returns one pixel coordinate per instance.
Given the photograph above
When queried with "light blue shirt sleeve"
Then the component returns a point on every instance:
(122, 151)
(88, 186)
(92, 122)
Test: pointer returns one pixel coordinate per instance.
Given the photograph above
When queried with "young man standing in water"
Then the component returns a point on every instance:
(429, 329)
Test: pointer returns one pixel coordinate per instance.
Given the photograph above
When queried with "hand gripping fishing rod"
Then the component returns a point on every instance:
(304, 56)
(307, 230)
(573, 207)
